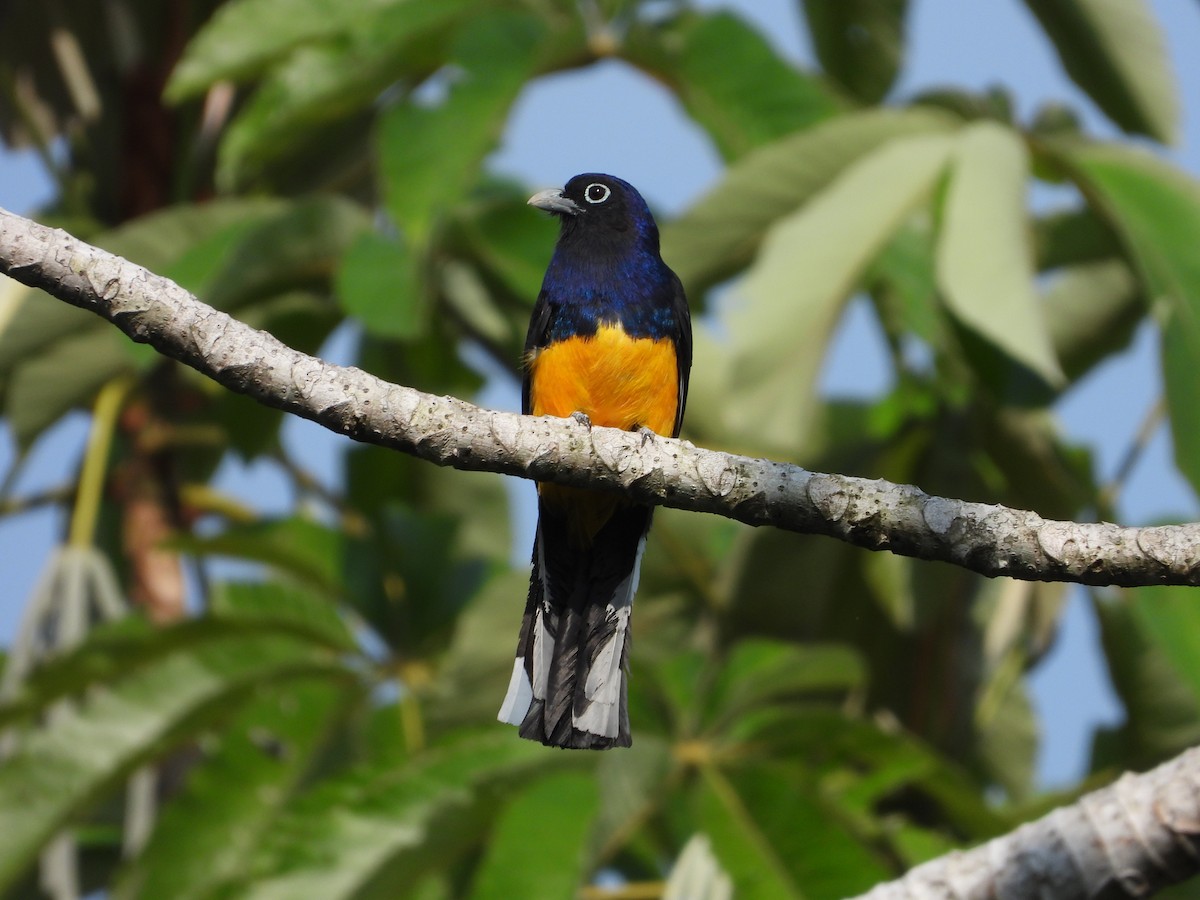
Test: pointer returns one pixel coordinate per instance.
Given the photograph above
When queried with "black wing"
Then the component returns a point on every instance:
(682, 337)
(535, 338)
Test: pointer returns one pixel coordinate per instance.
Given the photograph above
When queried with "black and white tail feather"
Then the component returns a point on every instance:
(568, 686)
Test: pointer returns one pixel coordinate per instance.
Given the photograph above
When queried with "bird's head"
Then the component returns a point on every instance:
(600, 209)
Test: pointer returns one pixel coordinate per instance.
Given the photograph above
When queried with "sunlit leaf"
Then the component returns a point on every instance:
(1116, 51)
(246, 777)
(807, 268)
(59, 769)
(1155, 209)
(984, 261)
(722, 231)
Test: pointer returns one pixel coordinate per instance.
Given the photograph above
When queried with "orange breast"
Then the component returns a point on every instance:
(616, 381)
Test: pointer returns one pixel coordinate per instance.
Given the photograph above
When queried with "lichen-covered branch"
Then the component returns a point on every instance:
(875, 514)
(1129, 839)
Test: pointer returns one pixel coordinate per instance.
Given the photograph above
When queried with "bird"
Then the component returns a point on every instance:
(609, 344)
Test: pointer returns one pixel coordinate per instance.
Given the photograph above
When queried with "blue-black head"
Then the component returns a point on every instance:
(602, 214)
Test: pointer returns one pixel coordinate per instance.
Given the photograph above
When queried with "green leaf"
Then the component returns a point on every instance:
(1092, 311)
(378, 284)
(536, 849)
(245, 36)
(773, 849)
(311, 100)
(283, 606)
(1116, 52)
(808, 266)
(1162, 709)
(1171, 618)
(729, 79)
(248, 776)
(721, 232)
(759, 672)
(859, 42)
(361, 835)
(307, 550)
(430, 155)
(984, 261)
(299, 248)
(62, 768)
(1155, 209)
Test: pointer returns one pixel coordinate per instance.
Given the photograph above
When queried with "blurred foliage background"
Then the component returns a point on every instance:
(321, 723)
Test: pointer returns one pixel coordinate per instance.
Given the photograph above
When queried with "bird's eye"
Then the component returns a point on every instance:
(596, 192)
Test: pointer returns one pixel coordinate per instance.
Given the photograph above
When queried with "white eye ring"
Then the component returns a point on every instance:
(596, 192)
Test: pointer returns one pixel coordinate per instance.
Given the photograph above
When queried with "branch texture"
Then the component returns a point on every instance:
(1129, 839)
(875, 514)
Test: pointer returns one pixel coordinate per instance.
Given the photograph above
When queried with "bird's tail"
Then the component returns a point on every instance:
(568, 683)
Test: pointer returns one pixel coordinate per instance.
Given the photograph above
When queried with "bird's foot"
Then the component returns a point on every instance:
(648, 436)
(582, 419)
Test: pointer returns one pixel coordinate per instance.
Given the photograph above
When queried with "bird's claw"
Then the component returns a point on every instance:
(648, 436)
(582, 419)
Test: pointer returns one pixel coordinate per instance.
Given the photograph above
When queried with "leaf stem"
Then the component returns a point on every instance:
(95, 461)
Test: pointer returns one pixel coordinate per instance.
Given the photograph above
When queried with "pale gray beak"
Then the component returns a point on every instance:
(553, 201)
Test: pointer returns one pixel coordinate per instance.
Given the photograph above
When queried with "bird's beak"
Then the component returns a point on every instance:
(553, 201)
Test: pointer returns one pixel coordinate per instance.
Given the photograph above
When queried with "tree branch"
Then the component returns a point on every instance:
(877, 515)
(1129, 839)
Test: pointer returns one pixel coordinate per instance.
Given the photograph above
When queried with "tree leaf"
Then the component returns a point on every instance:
(377, 283)
(809, 264)
(859, 42)
(984, 261)
(363, 834)
(62, 768)
(430, 155)
(536, 848)
(1155, 209)
(1116, 52)
(306, 102)
(729, 79)
(722, 231)
(244, 37)
(1092, 311)
(771, 848)
(237, 790)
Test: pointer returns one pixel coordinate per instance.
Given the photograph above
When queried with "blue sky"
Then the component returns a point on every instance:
(608, 118)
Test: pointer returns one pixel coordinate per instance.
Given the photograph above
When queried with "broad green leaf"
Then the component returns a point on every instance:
(775, 837)
(859, 42)
(503, 236)
(1092, 311)
(1155, 209)
(309, 102)
(299, 248)
(245, 36)
(430, 155)
(984, 261)
(1116, 51)
(758, 672)
(536, 849)
(378, 284)
(808, 266)
(722, 231)
(246, 778)
(1171, 618)
(359, 836)
(283, 606)
(60, 769)
(307, 550)
(1162, 709)
(1073, 237)
(729, 79)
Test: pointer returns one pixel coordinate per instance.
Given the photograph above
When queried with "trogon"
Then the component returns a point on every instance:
(609, 343)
